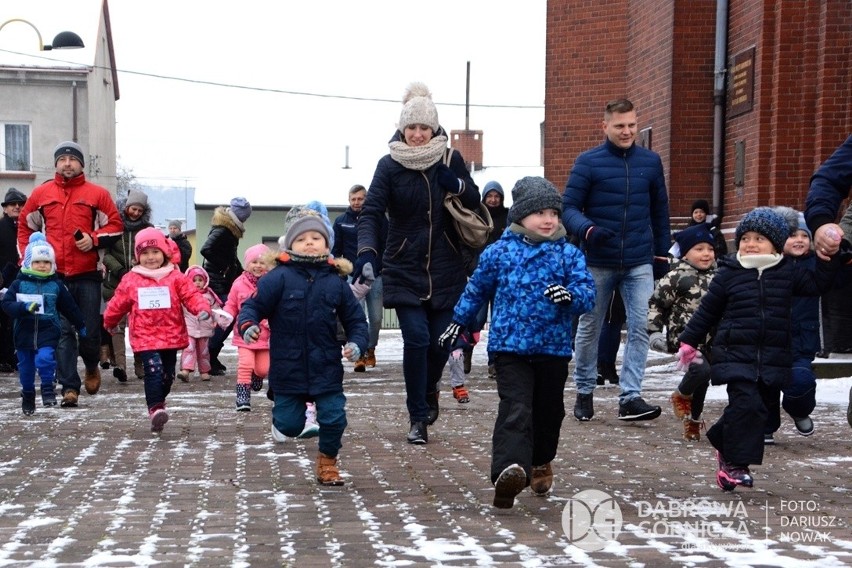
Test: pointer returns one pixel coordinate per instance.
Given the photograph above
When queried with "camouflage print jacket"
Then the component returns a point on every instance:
(675, 298)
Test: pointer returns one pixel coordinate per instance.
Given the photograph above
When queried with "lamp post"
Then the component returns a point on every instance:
(63, 40)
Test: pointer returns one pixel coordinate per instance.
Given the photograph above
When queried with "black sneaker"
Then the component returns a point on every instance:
(417, 434)
(805, 425)
(583, 407)
(510, 482)
(638, 409)
(768, 440)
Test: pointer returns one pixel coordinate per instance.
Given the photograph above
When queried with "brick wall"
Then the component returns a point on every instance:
(469, 144)
(661, 54)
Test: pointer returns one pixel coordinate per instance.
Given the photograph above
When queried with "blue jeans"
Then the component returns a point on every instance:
(87, 294)
(423, 360)
(288, 417)
(636, 286)
(372, 304)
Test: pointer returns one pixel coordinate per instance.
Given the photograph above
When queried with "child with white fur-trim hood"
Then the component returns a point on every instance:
(152, 293)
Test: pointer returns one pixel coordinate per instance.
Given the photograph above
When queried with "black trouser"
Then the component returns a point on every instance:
(531, 410)
(738, 434)
(694, 383)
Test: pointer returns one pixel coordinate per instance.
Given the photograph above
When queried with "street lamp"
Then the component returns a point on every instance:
(63, 40)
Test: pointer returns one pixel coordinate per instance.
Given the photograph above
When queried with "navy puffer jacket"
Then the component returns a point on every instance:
(302, 302)
(422, 259)
(753, 313)
(625, 192)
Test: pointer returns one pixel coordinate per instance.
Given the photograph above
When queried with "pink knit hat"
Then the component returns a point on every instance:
(151, 238)
(253, 253)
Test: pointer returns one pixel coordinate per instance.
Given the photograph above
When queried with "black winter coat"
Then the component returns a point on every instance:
(422, 259)
(185, 248)
(753, 315)
(221, 262)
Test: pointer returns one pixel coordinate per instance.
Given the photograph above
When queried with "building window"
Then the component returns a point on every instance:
(15, 141)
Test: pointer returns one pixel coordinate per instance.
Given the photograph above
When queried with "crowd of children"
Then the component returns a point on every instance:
(727, 318)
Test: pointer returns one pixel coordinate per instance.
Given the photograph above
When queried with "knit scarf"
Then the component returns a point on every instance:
(419, 158)
(295, 257)
(531, 237)
(154, 273)
(252, 279)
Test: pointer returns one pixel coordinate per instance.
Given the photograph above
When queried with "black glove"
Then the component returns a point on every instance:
(597, 236)
(448, 338)
(661, 268)
(558, 294)
(447, 179)
(366, 257)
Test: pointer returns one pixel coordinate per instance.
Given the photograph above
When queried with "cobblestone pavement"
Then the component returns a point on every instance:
(93, 486)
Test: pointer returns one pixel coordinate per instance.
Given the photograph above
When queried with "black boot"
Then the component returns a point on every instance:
(607, 373)
(28, 402)
(432, 402)
(417, 434)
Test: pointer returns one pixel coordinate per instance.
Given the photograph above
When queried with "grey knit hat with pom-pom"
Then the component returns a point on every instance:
(418, 108)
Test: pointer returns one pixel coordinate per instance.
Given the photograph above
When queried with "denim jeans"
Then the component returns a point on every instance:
(636, 286)
(288, 417)
(87, 294)
(372, 305)
(423, 360)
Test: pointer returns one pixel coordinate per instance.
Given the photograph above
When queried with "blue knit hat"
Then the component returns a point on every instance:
(691, 236)
(768, 223)
(39, 249)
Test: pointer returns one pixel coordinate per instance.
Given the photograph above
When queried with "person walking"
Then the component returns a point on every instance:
(183, 244)
(118, 260)
(616, 202)
(197, 352)
(538, 282)
(701, 215)
(9, 261)
(303, 298)
(422, 268)
(80, 220)
(222, 263)
(35, 300)
(345, 237)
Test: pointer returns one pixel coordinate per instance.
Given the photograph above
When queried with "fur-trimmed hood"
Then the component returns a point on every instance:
(222, 218)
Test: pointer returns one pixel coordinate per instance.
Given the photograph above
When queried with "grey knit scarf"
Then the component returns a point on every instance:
(419, 158)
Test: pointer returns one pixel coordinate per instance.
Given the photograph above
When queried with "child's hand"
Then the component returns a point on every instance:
(33, 307)
(448, 338)
(251, 334)
(558, 294)
(351, 352)
(203, 316)
(688, 355)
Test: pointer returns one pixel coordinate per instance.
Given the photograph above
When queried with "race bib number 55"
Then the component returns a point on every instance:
(154, 298)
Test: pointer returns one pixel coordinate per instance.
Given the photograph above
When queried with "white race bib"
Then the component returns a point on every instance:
(154, 298)
(27, 298)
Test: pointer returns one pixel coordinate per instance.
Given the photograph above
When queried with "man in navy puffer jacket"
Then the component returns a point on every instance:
(616, 203)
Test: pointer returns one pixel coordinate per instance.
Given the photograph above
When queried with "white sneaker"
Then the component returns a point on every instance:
(311, 428)
(278, 436)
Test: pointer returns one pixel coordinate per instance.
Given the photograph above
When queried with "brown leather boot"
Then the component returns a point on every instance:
(327, 472)
(370, 357)
(92, 381)
(692, 429)
(542, 479)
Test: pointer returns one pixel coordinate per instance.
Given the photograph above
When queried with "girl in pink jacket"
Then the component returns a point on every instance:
(153, 293)
(252, 360)
(200, 332)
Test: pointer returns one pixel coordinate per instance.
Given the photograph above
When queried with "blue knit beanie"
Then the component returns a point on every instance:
(691, 236)
(768, 223)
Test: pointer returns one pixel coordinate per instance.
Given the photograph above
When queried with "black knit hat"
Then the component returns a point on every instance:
(691, 236)
(700, 204)
(767, 222)
(532, 194)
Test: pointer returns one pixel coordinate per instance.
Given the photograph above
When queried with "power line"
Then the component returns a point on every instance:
(267, 89)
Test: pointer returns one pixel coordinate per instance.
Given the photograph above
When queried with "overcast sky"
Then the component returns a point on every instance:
(307, 79)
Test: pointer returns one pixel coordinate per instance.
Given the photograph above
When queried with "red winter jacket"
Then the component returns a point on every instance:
(60, 207)
(154, 328)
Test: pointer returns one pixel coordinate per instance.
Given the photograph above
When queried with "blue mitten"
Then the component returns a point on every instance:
(82, 332)
(597, 236)
(447, 179)
(203, 316)
(251, 334)
(355, 352)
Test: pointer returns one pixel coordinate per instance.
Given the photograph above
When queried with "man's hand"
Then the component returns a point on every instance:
(85, 242)
(827, 240)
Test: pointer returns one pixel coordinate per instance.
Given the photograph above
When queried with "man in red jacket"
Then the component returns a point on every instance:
(78, 218)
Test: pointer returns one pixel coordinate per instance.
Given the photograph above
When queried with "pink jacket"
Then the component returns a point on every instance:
(204, 328)
(244, 288)
(154, 327)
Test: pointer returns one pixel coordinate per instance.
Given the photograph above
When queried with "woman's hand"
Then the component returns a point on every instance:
(448, 180)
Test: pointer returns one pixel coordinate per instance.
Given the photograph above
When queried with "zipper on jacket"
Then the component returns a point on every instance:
(626, 206)
(429, 245)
